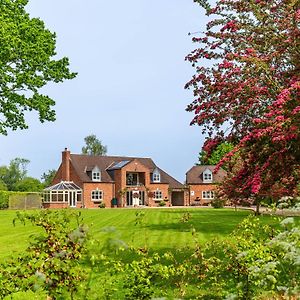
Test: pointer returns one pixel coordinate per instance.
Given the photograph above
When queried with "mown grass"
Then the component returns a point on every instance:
(159, 229)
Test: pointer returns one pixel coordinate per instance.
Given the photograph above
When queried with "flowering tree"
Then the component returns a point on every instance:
(250, 93)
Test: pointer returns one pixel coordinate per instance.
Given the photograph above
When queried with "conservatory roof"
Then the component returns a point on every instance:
(64, 185)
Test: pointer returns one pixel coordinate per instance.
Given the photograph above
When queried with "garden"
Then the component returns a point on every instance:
(192, 253)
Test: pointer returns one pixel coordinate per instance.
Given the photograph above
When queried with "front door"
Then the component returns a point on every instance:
(135, 198)
(72, 198)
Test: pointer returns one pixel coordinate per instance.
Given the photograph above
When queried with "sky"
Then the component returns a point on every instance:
(129, 91)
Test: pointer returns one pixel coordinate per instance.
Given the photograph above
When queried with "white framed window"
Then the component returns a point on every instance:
(96, 174)
(207, 176)
(208, 194)
(97, 195)
(157, 195)
(156, 176)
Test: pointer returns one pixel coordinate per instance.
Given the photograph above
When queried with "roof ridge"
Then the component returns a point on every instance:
(110, 156)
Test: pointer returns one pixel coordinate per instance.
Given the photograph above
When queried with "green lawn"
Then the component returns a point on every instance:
(159, 229)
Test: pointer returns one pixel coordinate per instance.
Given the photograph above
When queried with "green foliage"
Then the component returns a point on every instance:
(27, 295)
(254, 261)
(102, 205)
(47, 177)
(216, 155)
(13, 173)
(3, 186)
(4, 196)
(139, 277)
(217, 203)
(162, 203)
(28, 184)
(93, 146)
(27, 50)
(51, 262)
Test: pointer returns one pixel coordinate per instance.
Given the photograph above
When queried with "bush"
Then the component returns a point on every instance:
(4, 196)
(51, 263)
(217, 203)
(18, 200)
(102, 205)
(162, 203)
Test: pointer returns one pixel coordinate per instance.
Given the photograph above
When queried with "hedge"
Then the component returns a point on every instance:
(4, 197)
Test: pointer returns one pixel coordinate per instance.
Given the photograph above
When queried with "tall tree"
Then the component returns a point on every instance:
(252, 89)
(28, 184)
(27, 64)
(15, 172)
(93, 146)
(3, 186)
(215, 155)
(48, 176)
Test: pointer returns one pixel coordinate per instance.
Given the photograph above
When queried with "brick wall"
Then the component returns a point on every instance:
(164, 188)
(107, 190)
(196, 191)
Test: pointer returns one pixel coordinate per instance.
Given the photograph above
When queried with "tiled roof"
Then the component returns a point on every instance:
(82, 163)
(194, 175)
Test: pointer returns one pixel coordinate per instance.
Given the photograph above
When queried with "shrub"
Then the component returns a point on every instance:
(4, 196)
(217, 203)
(102, 205)
(51, 262)
(162, 203)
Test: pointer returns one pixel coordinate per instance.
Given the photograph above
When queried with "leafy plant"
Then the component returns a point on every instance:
(217, 203)
(52, 261)
(162, 203)
(102, 205)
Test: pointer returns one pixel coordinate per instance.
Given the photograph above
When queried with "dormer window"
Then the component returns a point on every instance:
(207, 176)
(96, 174)
(156, 176)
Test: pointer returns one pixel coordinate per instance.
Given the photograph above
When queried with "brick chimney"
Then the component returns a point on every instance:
(65, 165)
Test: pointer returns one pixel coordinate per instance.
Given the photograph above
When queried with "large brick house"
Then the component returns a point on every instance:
(90, 181)
(202, 182)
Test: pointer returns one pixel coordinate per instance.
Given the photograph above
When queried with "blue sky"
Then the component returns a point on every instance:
(129, 91)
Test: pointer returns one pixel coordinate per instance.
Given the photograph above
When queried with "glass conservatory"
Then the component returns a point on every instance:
(64, 192)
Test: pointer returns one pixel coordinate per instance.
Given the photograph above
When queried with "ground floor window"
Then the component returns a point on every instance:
(97, 195)
(157, 195)
(208, 195)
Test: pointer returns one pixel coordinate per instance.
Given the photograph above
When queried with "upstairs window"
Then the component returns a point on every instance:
(96, 174)
(132, 179)
(207, 176)
(156, 176)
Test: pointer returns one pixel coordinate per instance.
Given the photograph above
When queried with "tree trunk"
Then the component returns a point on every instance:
(257, 213)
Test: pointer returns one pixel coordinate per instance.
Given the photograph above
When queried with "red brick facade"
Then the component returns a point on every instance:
(114, 182)
(202, 182)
